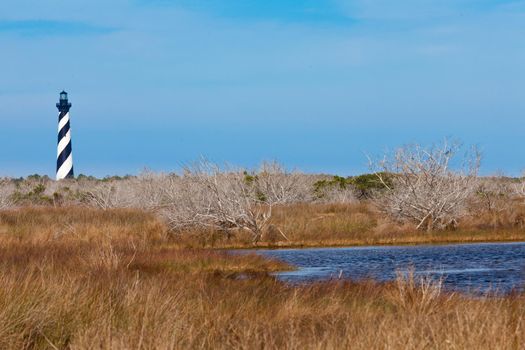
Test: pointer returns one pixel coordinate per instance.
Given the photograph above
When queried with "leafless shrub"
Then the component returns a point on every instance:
(208, 196)
(227, 199)
(150, 190)
(493, 194)
(518, 188)
(110, 194)
(337, 195)
(278, 186)
(184, 201)
(421, 187)
(7, 189)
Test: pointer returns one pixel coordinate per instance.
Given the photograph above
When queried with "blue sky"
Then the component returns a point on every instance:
(313, 84)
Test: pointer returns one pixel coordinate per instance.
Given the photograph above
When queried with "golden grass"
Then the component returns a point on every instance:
(43, 224)
(304, 225)
(312, 225)
(115, 280)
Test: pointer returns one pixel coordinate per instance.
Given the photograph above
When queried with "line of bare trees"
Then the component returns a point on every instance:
(206, 195)
(430, 187)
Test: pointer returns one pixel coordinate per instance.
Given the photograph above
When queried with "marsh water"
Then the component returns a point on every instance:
(476, 268)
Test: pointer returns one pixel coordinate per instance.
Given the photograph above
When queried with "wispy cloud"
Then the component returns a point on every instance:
(39, 28)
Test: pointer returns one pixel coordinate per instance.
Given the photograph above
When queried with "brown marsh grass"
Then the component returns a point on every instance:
(309, 225)
(300, 225)
(76, 278)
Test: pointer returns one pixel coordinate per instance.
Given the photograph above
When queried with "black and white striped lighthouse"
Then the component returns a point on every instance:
(64, 150)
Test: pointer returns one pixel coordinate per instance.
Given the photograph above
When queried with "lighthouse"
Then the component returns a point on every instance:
(64, 150)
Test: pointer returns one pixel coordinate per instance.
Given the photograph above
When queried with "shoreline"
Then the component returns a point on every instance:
(369, 244)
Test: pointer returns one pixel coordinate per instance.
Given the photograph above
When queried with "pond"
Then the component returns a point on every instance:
(496, 267)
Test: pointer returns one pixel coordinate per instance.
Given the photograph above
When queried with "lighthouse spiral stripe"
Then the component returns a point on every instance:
(64, 150)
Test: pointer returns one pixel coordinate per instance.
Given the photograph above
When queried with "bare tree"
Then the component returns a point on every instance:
(518, 188)
(275, 185)
(184, 201)
(207, 196)
(493, 194)
(150, 190)
(110, 194)
(6, 192)
(420, 185)
(233, 201)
